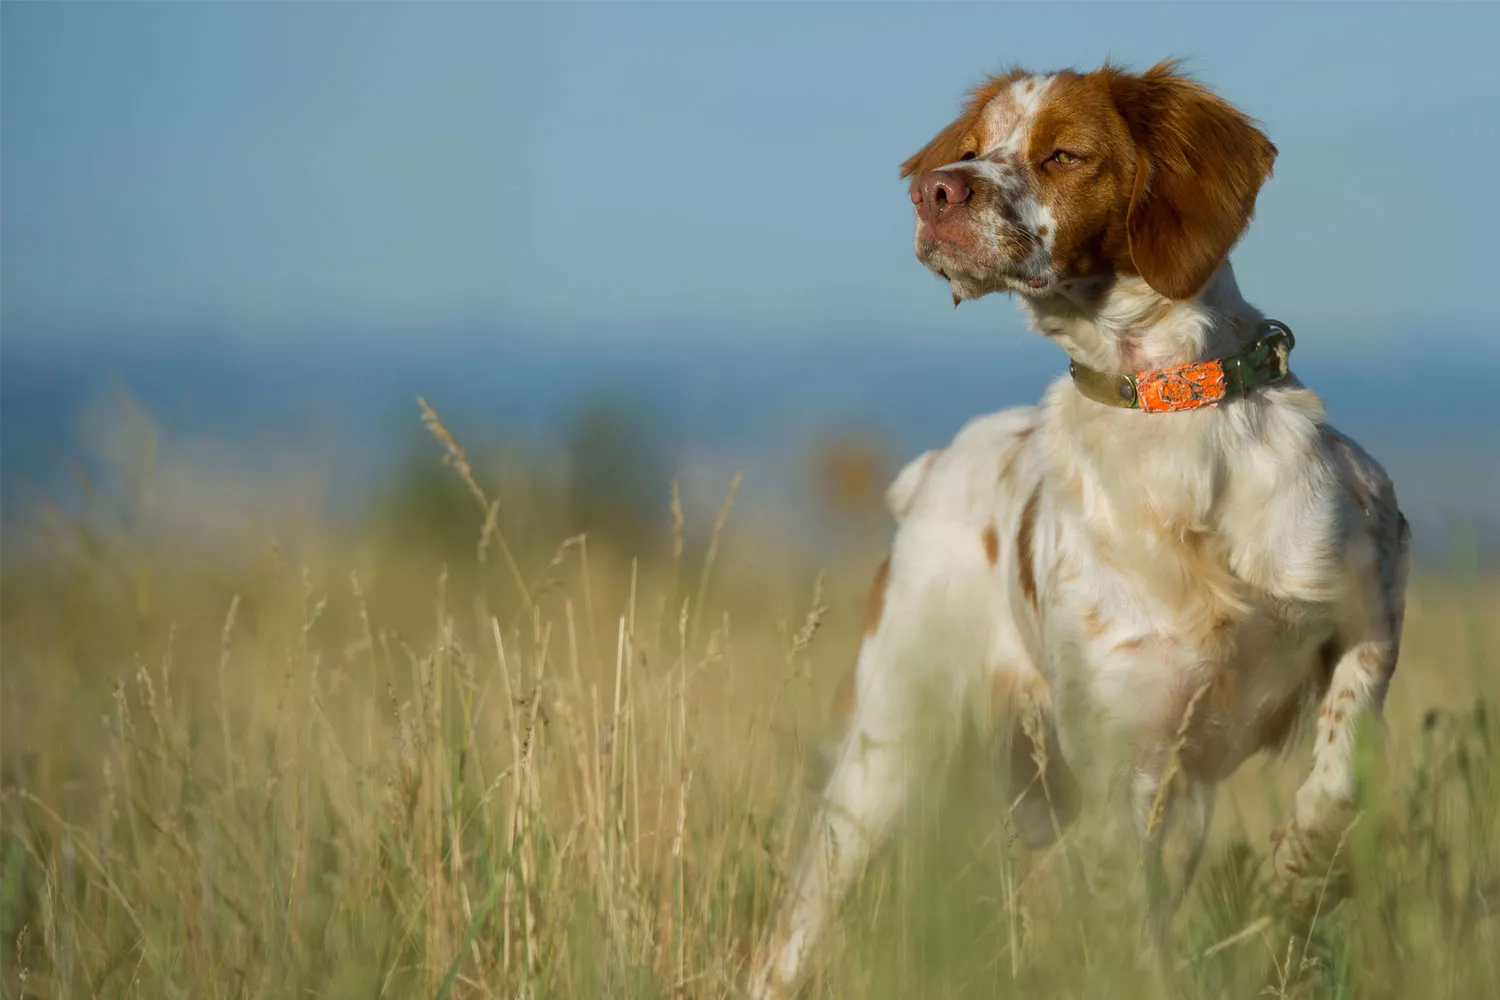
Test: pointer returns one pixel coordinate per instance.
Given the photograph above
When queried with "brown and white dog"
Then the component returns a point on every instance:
(1172, 591)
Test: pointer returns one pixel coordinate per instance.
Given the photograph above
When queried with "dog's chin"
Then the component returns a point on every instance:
(966, 285)
(970, 278)
(965, 288)
(971, 275)
(1032, 285)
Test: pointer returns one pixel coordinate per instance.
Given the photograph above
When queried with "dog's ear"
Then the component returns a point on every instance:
(945, 147)
(951, 143)
(1199, 164)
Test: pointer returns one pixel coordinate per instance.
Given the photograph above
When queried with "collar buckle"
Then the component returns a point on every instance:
(1265, 361)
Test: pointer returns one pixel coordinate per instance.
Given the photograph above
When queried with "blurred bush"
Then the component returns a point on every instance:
(608, 475)
(852, 470)
(618, 473)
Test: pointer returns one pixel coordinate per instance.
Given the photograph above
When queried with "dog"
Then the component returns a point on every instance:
(1167, 563)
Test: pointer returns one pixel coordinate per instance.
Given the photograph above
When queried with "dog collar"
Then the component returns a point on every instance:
(1202, 383)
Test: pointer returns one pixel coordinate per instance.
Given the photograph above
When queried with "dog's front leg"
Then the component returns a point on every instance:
(924, 642)
(1361, 657)
(1173, 811)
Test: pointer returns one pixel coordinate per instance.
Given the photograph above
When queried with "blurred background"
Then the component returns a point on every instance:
(632, 242)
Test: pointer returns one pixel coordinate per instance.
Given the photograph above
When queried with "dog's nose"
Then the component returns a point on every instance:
(936, 191)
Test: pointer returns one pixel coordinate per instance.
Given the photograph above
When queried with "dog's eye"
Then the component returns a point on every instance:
(1063, 158)
(969, 155)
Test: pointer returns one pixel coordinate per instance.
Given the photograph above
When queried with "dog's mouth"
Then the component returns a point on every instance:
(976, 283)
(970, 276)
(1029, 282)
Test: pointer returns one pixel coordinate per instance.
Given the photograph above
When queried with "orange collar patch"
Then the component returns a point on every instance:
(1183, 388)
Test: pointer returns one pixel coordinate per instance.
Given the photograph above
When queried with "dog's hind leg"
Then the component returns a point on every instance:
(924, 643)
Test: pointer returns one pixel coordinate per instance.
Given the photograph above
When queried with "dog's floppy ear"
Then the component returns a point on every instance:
(1199, 164)
(945, 147)
(948, 145)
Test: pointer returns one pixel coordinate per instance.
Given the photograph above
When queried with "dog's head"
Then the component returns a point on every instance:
(1044, 180)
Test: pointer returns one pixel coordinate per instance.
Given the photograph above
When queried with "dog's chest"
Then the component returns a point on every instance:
(1157, 635)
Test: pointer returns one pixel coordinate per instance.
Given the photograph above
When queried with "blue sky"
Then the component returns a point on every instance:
(268, 173)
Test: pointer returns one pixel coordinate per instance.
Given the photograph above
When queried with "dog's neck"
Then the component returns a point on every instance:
(1121, 324)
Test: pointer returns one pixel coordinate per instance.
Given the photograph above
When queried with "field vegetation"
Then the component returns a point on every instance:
(497, 738)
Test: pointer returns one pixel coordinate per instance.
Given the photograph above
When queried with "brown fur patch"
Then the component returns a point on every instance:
(991, 539)
(1200, 164)
(1025, 554)
(875, 604)
(1088, 199)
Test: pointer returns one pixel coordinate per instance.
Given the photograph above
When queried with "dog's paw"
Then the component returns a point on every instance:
(1309, 865)
(776, 969)
(762, 986)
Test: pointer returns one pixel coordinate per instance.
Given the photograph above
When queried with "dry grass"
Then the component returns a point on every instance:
(336, 770)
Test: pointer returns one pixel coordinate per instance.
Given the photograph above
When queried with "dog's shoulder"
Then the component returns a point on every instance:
(1370, 495)
(1306, 448)
(1362, 477)
(1305, 500)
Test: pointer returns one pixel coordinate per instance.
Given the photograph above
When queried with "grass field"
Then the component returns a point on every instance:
(344, 767)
